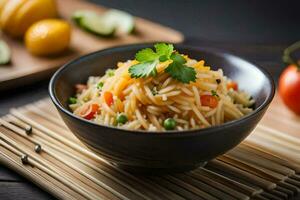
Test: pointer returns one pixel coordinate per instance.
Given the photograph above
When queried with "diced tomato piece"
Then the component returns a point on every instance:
(89, 111)
(108, 97)
(80, 87)
(232, 85)
(209, 100)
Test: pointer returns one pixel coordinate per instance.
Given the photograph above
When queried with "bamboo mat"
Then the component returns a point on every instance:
(35, 142)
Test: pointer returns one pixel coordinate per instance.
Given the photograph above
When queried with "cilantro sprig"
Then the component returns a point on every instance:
(143, 69)
(179, 71)
(148, 60)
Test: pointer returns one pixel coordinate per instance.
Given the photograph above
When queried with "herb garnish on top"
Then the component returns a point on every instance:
(148, 60)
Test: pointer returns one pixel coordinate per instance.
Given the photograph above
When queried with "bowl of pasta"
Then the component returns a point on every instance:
(161, 107)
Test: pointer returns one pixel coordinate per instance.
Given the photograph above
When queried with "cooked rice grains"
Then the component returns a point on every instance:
(147, 102)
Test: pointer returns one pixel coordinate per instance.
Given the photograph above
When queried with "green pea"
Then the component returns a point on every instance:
(100, 85)
(72, 100)
(169, 124)
(121, 119)
(110, 72)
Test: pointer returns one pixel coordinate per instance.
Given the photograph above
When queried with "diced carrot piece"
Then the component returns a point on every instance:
(89, 111)
(209, 100)
(232, 85)
(108, 97)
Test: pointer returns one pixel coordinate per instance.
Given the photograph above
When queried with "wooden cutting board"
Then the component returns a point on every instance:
(26, 68)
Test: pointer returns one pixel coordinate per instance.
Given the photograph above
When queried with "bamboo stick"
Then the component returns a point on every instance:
(293, 147)
(244, 164)
(235, 194)
(36, 110)
(270, 156)
(257, 159)
(274, 148)
(205, 187)
(175, 188)
(229, 182)
(190, 187)
(260, 182)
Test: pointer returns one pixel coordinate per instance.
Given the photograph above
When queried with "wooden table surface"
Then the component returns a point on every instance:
(256, 31)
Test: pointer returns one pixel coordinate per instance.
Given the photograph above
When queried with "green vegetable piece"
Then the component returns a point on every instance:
(179, 71)
(146, 55)
(163, 49)
(100, 85)
(121, 119)
(178, 58)
(169, 124)
(78, 15)
(5, 53)
(72, 100)
(123, 21)
(149, 59)
(163, 58)
(94, 23)
(110, 72)
(214, 93)
(144, 69)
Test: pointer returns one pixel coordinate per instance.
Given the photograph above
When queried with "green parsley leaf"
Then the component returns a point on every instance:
(178, 58)
(179, 71)
(146, 55)
(143, 69)
(163, 49)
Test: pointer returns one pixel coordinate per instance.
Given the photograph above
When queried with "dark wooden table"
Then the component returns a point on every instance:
(257, 31)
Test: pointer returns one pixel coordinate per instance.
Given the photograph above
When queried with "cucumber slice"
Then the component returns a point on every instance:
(94, 23)
(122, 20)
(78, 15)
(4, 53)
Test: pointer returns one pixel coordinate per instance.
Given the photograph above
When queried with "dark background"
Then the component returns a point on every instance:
(256, 30)
(237, 21)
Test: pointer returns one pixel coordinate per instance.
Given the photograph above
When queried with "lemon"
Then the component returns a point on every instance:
(18, 15)
(47, 37)
(32, 11)
(8, 13)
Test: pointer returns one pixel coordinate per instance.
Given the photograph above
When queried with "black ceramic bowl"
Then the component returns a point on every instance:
(168, 151)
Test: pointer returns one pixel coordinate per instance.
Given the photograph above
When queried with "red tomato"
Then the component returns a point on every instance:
(289, 88)
(209, 100)
(89, 111)
(108, 97)
(232, 85)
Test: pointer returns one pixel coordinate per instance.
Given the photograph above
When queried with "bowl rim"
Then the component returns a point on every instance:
(189, 132)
